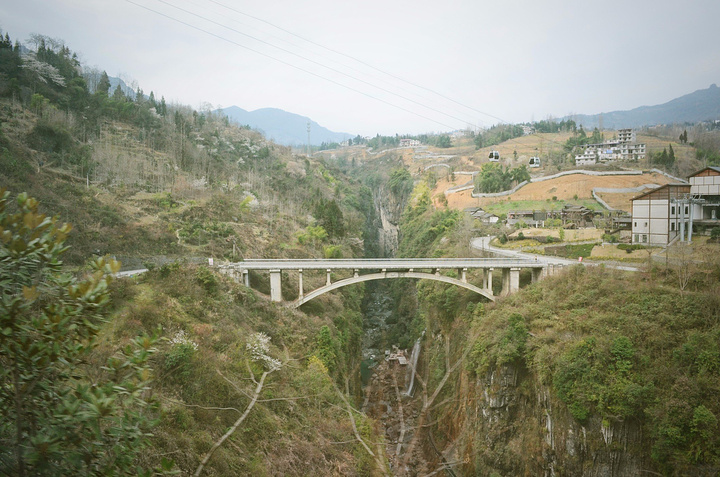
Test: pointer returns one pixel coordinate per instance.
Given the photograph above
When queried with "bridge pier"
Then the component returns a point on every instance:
(275, 285)
(537, 274)
(327, 282)
(301, 293)
(511, 281)
(246, 278)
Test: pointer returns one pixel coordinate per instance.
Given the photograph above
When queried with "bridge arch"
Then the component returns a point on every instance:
(383, 275)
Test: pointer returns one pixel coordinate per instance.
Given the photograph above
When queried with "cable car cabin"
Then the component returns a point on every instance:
(534, 161)
(494, 156)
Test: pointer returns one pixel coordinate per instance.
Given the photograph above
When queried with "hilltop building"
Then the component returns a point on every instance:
(405, 142)
(674, 211)
(622, 148)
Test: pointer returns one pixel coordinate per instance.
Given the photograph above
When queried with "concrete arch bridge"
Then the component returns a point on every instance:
(366, 269)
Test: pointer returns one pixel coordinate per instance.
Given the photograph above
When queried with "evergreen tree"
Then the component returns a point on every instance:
(671, 157)
(103, 86)
(118, 94)
(330, 217)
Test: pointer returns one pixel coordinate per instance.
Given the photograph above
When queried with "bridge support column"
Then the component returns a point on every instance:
(489, 287)
(246, 278)
(537, 274)
(505, 282)
(275, 285)
(356, 273)
(327, 281)
(514, 280)
(463, 275)
(301, 293)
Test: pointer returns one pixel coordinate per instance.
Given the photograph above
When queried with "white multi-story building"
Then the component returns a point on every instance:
(625, 135)
(675, 210)
(656, 217)
(623, 148)
(587, 158)
(409, 142)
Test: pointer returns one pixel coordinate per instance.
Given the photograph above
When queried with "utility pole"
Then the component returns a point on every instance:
(308, 144)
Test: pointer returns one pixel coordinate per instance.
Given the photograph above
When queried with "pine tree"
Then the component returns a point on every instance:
(671, 157)
(103, 86)
(118, 94)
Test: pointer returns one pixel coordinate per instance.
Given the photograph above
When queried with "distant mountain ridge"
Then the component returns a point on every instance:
(702, 105)
(283, 127)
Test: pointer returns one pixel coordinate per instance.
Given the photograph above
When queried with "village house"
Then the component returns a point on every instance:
(406, 142)
(675, 211)
(482, 215)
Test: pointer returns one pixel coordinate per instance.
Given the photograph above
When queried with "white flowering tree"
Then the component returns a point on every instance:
(44, 72)
(258, 345)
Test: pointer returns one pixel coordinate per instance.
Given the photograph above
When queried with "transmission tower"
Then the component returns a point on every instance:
(308, 143)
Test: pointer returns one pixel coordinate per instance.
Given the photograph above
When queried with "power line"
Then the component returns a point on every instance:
(335, 70)
(288, 64)
(357, 60)
(470, 120)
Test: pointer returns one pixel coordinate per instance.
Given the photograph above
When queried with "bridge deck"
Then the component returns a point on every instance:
(385, 263)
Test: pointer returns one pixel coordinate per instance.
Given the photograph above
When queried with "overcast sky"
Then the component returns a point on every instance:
(392, 66)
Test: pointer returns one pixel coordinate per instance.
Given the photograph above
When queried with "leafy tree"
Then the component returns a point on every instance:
(494, 178)
(520, 174)
(55, 420)
(400, 182)
(443, 141)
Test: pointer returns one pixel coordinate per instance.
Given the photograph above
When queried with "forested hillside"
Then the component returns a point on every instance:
(165, 187)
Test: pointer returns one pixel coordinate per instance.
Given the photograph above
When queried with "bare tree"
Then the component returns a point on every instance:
(428, 399)
(259, 346)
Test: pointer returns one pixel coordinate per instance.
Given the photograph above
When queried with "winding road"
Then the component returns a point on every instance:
(483, 244)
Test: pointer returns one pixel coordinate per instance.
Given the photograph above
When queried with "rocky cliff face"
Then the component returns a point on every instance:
(389, 209)
(511, 424)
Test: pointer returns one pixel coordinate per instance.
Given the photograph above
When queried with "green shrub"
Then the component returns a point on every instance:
(610, 238)
(179, 357)
(332, 251)
(206, 279)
